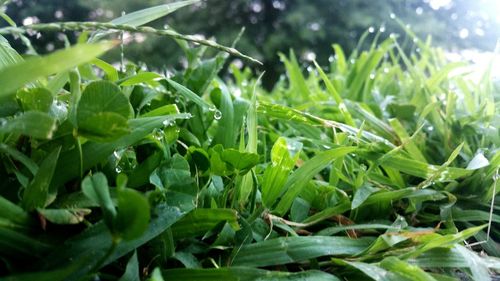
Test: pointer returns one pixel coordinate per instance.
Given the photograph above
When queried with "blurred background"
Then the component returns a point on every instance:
(465, 28)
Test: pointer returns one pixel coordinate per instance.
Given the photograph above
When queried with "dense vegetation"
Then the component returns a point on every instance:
(383, 165)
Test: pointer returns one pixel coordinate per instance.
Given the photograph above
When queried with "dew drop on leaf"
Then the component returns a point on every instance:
(217, 115)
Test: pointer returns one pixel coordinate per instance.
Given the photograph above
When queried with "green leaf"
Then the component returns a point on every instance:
(362, 194)
(32, 123)
(96, 188)
(103, 127)
(94, 153)
(96, 241)
(14, 214)
(241, 161)
(175, 173)
(132, 270)
(102, 112)
(64, 216)
(15, 76)
(200, 221)
(8, 56)
(15, 154)
(132, 217)
(244, 274)
(110, 70)
(142, 77)
(225, 136)
(189, 95)
(36, 194)
(277, 172)
(36, 99)
(144, 16)
(410, 272)
(295, 249)
(374, 272)
(299, 179)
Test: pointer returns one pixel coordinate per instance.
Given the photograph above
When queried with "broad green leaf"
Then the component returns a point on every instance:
(36, 194)
(438, 241)
(144, 16)
(200, 221)
(298, 180)
(110, 70)
(295, 249)
(375, 272)
(241, 161)
(142, 77)
(244, 274)
(94, 153)
(64, 216)
(362, 194)
(225, 136)
(36, 99)
(102, 112)
(14, 214)
(15, 76)
(410, 272)
(175, 173)
(8, 56)
(132, 217)
(32, 123)
(103, 127)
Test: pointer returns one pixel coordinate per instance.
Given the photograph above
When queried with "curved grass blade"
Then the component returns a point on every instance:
(294, 249)
(298, 180)
(244, 274)
(17, 75)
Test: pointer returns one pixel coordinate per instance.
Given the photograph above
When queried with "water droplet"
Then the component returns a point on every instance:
(331, 58)
(158, 134)
(212, 108)
(372, 75)
(430, 128)
(371, 29)
(415, 40)
(352, 61)
(386, 70)
(3, 121)
(392, 15)
(217, 115)
(382, 29)
(118, 169)
(168, 123)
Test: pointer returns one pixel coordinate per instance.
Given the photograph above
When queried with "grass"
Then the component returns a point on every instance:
(381, 166)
